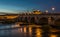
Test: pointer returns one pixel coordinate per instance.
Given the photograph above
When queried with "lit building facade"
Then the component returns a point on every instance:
(37, 12)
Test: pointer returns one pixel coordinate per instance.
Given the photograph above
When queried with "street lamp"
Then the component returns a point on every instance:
(46, 11)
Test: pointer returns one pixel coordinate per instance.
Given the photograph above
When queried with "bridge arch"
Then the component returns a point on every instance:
(43, 20)
(57, 21)
(52, 18)
(32, 19)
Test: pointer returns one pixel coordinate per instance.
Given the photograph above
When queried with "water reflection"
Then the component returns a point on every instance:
(53, 35)
(27, 31)
(38, 32)
(30, 30)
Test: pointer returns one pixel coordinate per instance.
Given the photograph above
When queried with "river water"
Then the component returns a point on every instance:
(27, 31)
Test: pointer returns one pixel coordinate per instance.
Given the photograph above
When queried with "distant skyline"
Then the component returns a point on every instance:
(16, 6)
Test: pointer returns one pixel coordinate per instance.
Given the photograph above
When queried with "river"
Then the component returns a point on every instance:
(27, 31)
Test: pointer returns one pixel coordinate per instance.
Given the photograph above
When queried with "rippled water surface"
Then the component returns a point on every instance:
(27, 31)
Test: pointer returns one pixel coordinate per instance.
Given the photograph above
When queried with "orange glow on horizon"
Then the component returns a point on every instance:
(8, 17)
(11, 17)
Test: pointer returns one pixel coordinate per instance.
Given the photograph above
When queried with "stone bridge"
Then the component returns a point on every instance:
(47, 18)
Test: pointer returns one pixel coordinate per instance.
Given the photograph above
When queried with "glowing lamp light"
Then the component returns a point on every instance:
(46, 10)
(53, 9)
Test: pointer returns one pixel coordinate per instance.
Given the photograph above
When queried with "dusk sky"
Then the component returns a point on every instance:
(15, 6)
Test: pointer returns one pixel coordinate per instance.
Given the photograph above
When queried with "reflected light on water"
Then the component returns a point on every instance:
(17, 25)
(30, 30)
(21, 30)
(38, 32)
(52, 35)
(24, 29)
